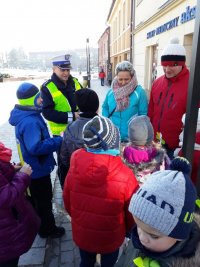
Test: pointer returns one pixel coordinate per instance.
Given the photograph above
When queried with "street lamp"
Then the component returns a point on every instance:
(88, 60)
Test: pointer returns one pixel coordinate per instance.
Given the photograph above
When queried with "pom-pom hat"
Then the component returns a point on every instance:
(62, 62)
(101, 134)
(166, 201)
(174, 54)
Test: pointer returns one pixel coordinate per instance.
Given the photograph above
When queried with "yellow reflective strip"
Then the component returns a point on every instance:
(20, 153)
(56, 94)
(138, 262)
(198, 203)
(22, 163)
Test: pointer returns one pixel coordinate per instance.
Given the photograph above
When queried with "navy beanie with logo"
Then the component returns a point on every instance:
(166, 201)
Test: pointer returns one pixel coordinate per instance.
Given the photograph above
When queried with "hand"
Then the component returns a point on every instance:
(26, 168)
(76, 115)
(17, 166)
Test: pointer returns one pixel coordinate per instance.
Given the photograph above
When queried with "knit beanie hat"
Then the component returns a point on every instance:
(173, 54)
(26, 93)
(87, 100)
(100, 133)
(140, 131)
(166, 201)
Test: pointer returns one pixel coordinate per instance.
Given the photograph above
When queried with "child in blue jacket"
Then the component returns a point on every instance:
(36, 148)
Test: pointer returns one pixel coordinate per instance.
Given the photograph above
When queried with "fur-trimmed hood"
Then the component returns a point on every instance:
(144, 161)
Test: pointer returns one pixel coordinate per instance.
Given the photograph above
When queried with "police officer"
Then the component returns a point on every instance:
(58, 95)
(59, 107)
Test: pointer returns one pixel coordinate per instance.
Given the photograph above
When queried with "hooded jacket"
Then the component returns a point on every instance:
(146, 160)
(19, 223)
(32, 134)
(183, 254)
(97, 192)
(167, 105)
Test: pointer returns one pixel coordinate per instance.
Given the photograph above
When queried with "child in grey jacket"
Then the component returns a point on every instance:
(88, 103)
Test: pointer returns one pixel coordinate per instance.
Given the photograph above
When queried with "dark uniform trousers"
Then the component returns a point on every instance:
(41, 194)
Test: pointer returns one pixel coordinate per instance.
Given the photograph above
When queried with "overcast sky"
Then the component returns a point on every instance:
(49, 25)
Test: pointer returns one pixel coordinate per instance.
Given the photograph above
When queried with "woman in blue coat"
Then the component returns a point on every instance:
(125, 98)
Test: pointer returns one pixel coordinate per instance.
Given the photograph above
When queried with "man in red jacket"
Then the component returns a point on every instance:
(97, 191)
(168, 97)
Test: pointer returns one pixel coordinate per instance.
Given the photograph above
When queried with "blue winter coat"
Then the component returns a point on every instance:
(138, 106)
(37, 146)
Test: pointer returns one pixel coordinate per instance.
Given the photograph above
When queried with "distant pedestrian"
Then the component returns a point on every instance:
(96, 193)
(109, 77)
(88, 104)
(19, 223)
(125, 98)
(37, 147)
(168, 97)
(141, 154)
(102, 76)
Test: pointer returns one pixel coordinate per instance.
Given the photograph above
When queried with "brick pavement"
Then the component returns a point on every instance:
(60, 252)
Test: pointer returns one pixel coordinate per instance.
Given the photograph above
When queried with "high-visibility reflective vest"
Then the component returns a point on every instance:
(61, 104)
(77, 84)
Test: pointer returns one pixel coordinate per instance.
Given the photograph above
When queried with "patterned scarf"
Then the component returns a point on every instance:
(122, 93)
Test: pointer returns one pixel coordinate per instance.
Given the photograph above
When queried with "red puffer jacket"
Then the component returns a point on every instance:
(102, 74)
(167, 105)
(97, 192)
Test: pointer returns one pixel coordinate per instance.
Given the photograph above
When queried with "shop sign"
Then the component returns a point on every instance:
(186, 16)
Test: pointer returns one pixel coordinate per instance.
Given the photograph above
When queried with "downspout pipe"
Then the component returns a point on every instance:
(193, 97)
(132, 24)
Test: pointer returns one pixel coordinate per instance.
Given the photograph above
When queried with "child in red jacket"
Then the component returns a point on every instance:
(97, 191)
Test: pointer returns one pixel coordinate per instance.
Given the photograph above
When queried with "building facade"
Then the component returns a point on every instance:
(155, 23)
(140, 29)
(119, 20)
(104, 51)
